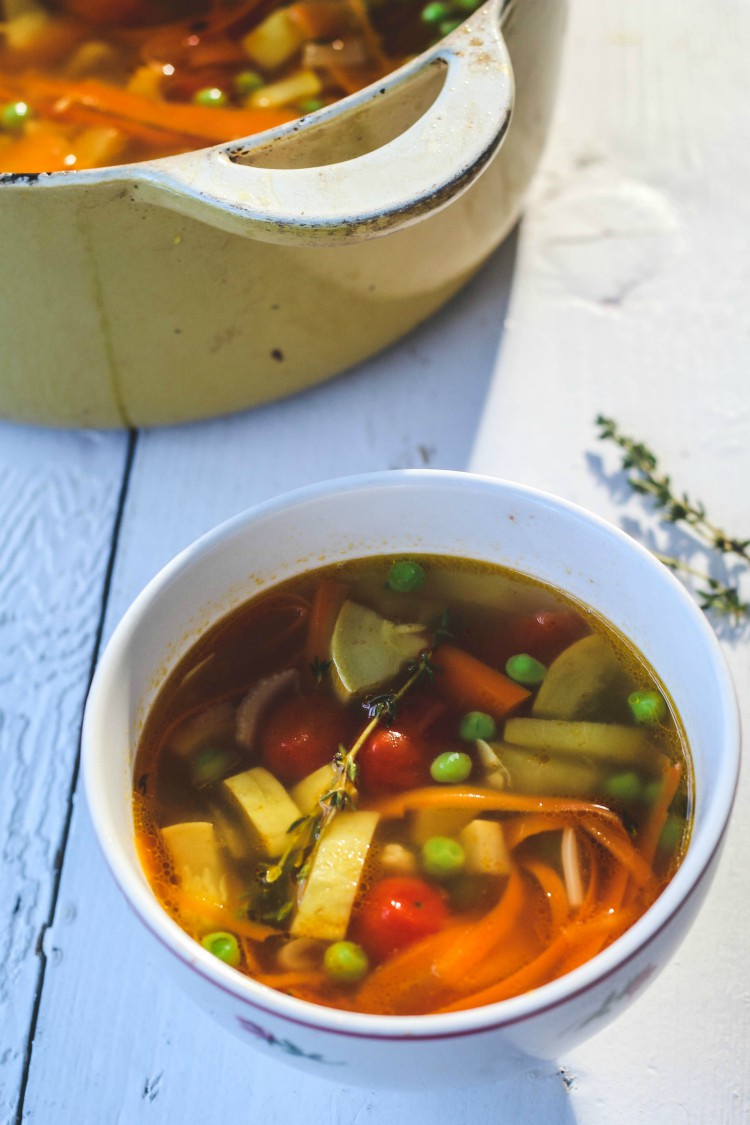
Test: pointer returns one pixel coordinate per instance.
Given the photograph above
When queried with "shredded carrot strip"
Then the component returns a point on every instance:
(406, 977)
(117, 106)
(590, 865)
(618, 843)
(543, 967)
(215, 913)
(554, 891)
(520, 828)
(299, 978)
(489, 800)
(248, 953)
(474, 943)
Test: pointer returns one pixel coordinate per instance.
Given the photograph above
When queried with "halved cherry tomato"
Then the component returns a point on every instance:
(301, 734)
(543, 635)
(392, 760)
(397, 912)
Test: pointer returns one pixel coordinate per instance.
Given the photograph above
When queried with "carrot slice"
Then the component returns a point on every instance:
(474, 685)
(648, 838)
(328, 600)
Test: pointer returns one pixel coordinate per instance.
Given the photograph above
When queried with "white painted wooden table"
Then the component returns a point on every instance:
(624, 292)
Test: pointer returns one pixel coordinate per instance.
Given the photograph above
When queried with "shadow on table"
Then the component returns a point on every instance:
(672, 541)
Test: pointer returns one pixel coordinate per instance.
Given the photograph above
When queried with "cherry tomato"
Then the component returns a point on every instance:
(301, 734)
(543, 635)
(392, 760)
(549, 632)
(397, 912)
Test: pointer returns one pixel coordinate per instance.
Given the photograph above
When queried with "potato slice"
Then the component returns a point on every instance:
(426, 823)
(585, 682)
(332, 884)
(369, 650)
(196, 856)
(266, 806)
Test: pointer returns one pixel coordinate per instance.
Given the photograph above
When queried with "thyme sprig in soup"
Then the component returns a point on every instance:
(412, 785)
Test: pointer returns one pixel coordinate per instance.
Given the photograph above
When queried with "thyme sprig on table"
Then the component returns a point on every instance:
(280, 885)
(646, 478)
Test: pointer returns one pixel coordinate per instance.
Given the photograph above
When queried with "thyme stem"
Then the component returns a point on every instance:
(645, 478)
(282, 883)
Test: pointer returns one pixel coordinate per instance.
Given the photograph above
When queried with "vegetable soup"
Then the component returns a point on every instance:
(410, 785)
(90, 83)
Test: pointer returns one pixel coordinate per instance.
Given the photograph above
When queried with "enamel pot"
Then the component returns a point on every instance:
(200, 284)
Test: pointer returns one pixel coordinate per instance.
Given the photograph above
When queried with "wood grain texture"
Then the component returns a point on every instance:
(629, 297)
(629, 300)
(58, 498)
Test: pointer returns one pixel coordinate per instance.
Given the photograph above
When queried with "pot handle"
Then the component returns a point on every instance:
(418, 172)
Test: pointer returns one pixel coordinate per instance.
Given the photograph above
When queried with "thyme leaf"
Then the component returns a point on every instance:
(279, 885)
(646, 479)
(319, 668)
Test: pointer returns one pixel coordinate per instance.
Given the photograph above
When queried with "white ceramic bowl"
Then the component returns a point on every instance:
(445, 513)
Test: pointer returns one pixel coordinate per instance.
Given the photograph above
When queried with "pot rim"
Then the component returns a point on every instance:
(424, 167)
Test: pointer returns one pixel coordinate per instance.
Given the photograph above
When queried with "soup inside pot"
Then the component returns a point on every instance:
(91, 83)
(410, 785)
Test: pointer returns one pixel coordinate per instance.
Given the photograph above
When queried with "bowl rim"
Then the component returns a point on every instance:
(644, 931)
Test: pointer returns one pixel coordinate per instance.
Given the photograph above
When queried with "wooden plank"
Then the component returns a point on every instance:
(630, 299)
(58, 503)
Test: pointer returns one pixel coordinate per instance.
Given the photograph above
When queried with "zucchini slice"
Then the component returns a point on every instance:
(368, 650)
(585, 682)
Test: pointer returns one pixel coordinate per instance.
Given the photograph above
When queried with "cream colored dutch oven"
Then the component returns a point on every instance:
(200, 284)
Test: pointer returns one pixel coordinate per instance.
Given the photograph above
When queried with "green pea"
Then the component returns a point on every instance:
(625, 786)
(310, 105)
(211, 764)
(651, 791)
(442, 857)
(14, 116)
(345, 961)
(451, 767)
(405, 576)
(211, 96)
(445, 27)
(434, 12)
(671, 834)
(246, 82)
(476, 724)
(224, 946)
(647, 707)
(524, 669)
